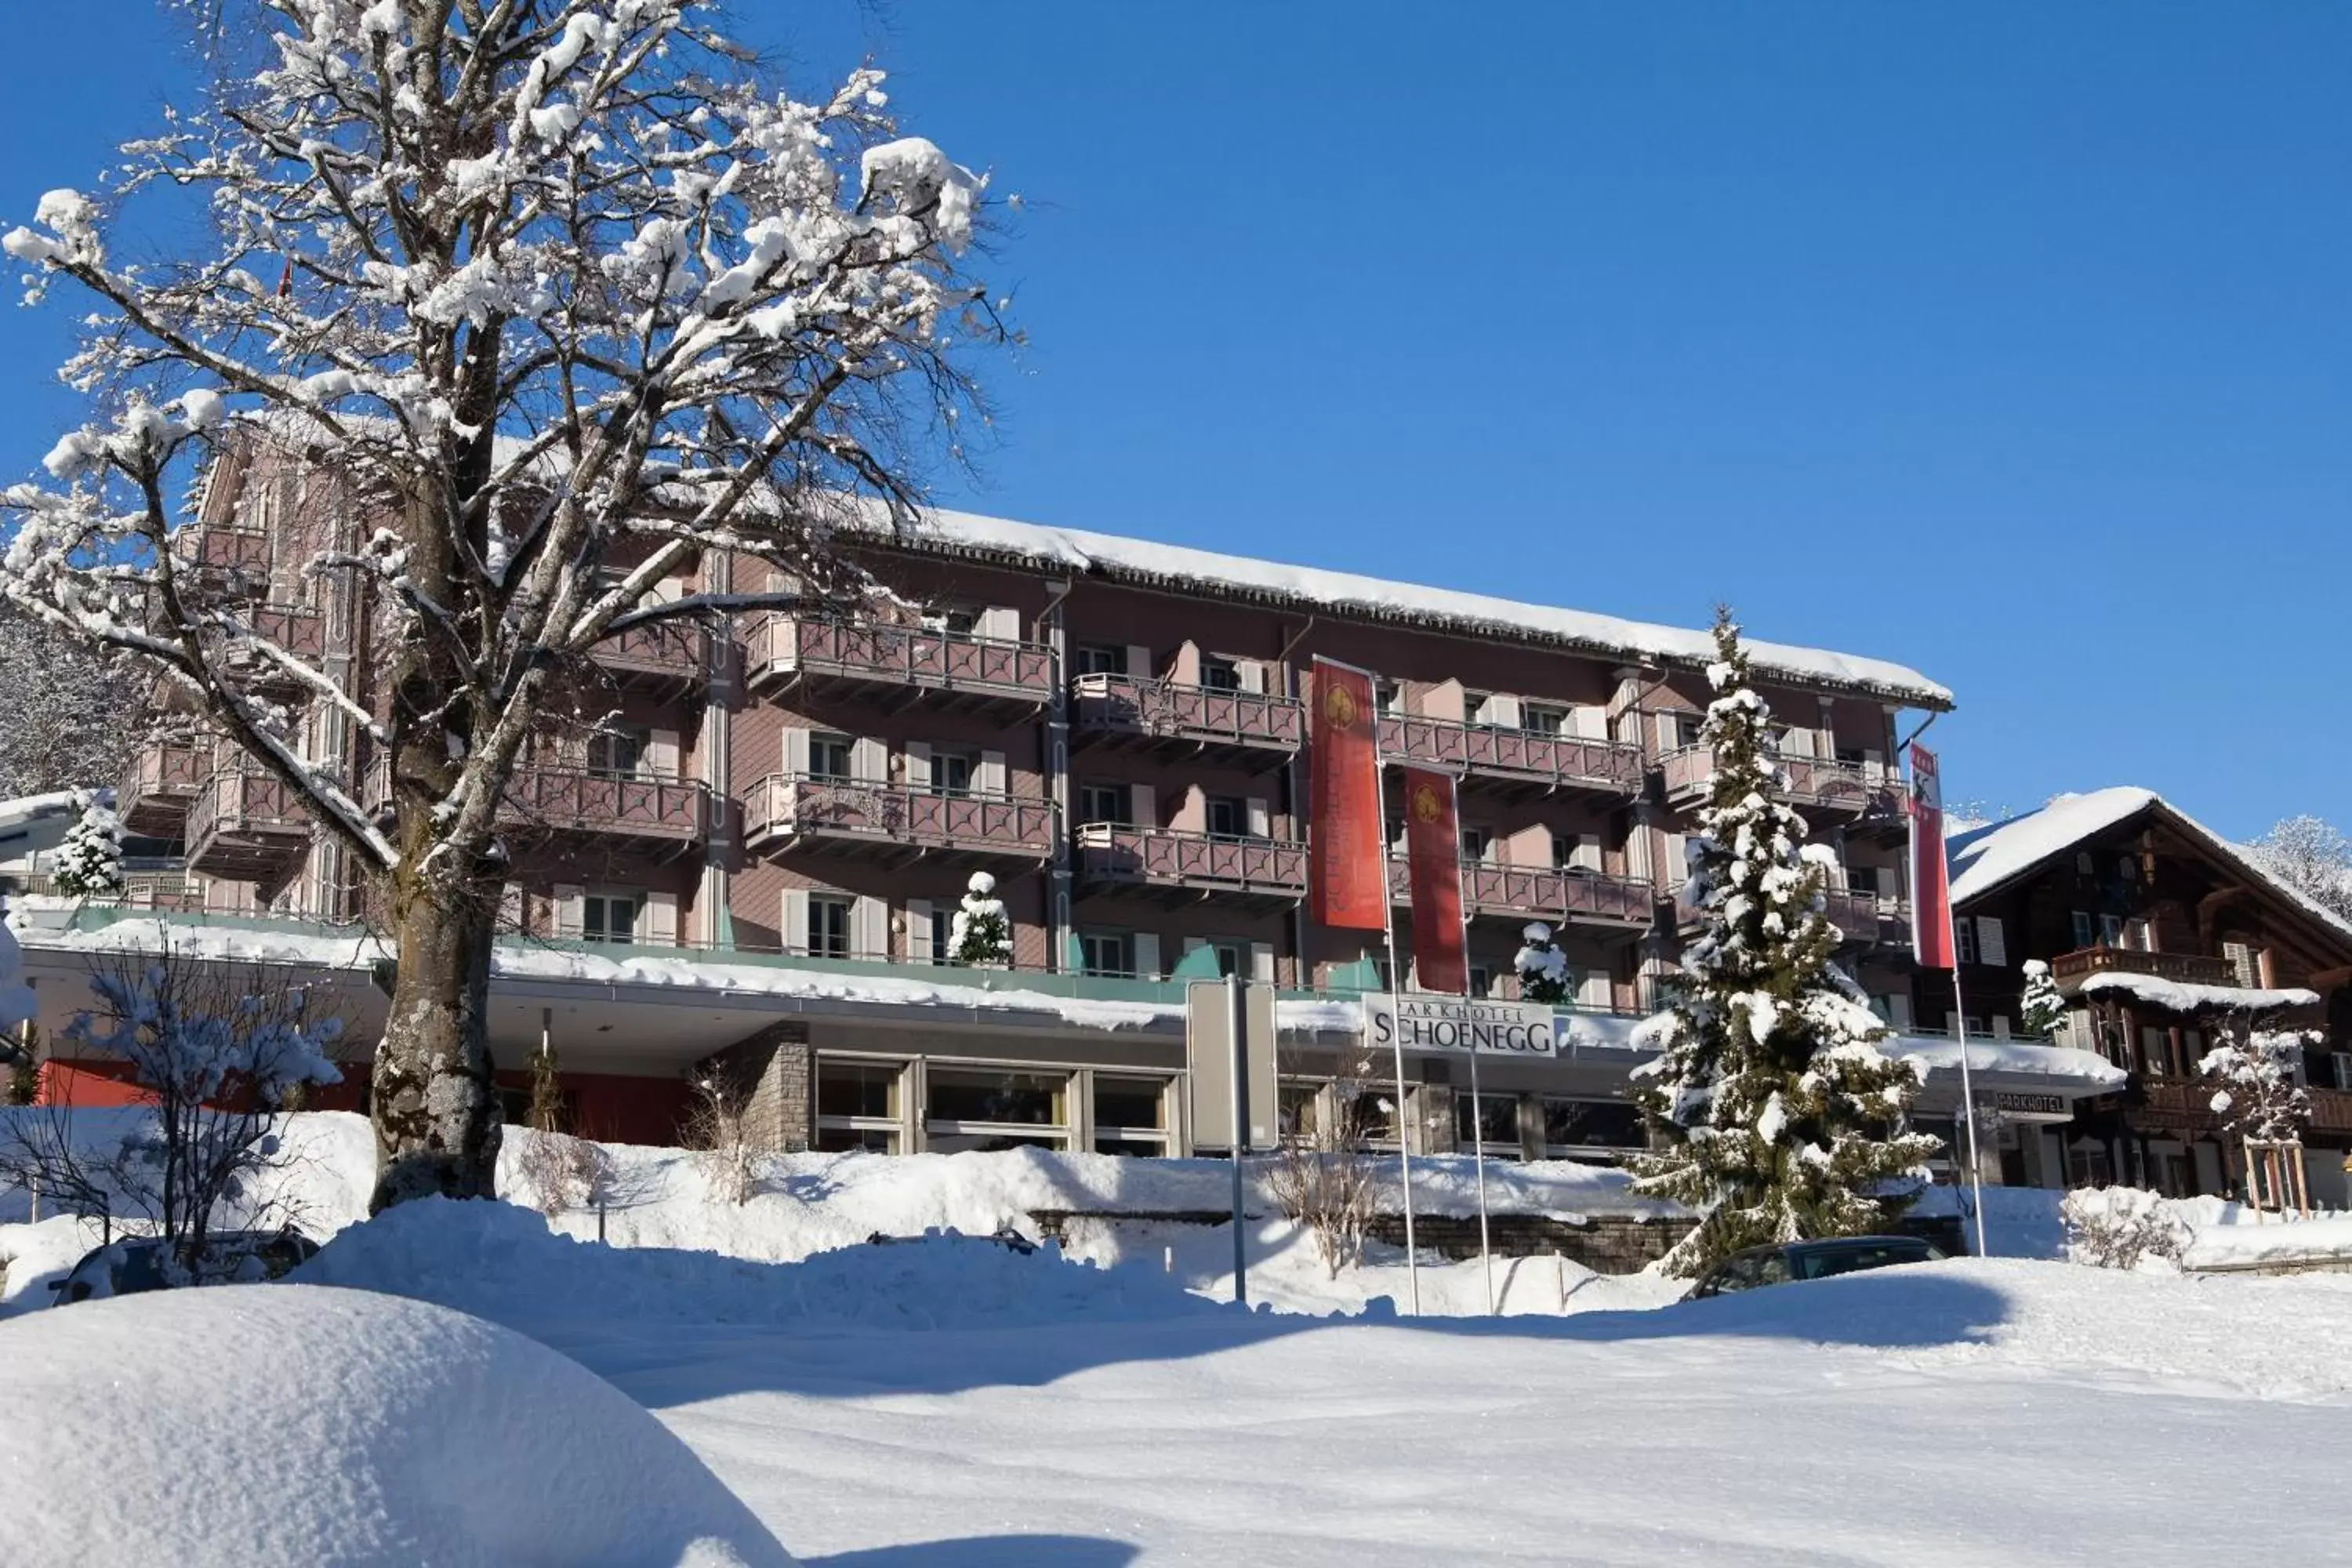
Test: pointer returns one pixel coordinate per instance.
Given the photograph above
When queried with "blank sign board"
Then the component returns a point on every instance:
(1209, 1049)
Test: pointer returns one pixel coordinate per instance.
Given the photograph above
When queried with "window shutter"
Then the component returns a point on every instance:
(1796, 741)
(1873, 766)
(661, 919)
(1001, 622)
(1262, 961)
(2246, 961)
(661, 754)
(991, 780)
(1252, 674)
(1637, 853)
(569, 918)
(869, 929)
(1139, 661)
(1590, 721)
(869, 761)
(796, 753)
(1585, 856)
(1193, 944)
(1147, 955)
(918, 764)
(1500, 711)
(919, 932)
(1999, 1027)
(511, 908)
(1898, 1010)
(1669, 736)
(1261, 818)
(1143, 805)
(794, 933)
(1677, 866)
(1992, 946)
(1593, 989)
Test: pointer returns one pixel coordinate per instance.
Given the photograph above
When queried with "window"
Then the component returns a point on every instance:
(1482, 980)
(1388, 697)
(1539, 719)
(1228, 817)
(952, 773)
(943, 923)
(618, 751)
(1677, 730)
(858, 1105)
(2127, 868)
(2087, 932)
(1131, 1115)
(1475, 842)
(984, 1109)
(1220, 674)
(828, 927)
(2087, 1165)
(2135, 935)
(2155, 1051)
(955, 622)
(2111, 930)
(1966, 930)
(1992, 943)
(1109, 953)
(1581, 1128)
(2084, 865)
(1301, 1105)
(1491, 1122)
(1098, 658)
(829, 757)
(2245, 960)
(610, 915)
(2340, 1066)
(1103, 803)
(1233, 957)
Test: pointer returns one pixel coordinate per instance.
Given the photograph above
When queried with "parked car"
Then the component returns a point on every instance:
(1004, 1235)
(1795, 1260)
(140, 1263)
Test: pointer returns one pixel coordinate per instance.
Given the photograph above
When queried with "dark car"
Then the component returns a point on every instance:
(141, 1263)
(1810, 1260)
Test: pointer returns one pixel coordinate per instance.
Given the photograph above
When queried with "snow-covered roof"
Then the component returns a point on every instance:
(2186, 997)
(1346, 593)
(2088, 1071)
(1984, 859)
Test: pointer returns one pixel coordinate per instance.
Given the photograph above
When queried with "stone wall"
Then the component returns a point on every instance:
(771, 1073)
(1605, 1244)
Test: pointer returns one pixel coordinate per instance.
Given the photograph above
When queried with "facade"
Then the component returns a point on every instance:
(749, 841)
(2160, 934)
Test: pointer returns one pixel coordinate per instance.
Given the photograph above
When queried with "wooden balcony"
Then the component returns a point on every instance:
(1851, 791)
(2190, 968)
(1531, 761)
(672, 813)
(894, 823)
(243, 826)
(1561, 895)
(2184, 1106)
(1870, 920)
(224, 549)
(897, 665)
(1187, 865)
(159, 787)
(1166, 716)
(666, 656)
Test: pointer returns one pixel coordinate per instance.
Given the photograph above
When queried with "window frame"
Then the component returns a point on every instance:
(603, 901)
(822, 745)
(891, 1129)
(823, 904)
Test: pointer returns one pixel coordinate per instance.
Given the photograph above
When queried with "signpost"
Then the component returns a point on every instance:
(1229, 1043)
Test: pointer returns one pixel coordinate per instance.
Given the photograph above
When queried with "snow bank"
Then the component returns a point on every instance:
(2316, 1241)
(335, 1428)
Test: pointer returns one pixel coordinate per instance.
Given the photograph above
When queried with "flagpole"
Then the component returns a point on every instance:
(1967, 1092)
(1396, 1014)
(1477, 1103)
(1927, 798)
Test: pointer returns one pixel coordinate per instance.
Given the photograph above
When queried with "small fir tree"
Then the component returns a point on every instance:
(89, 861)
(982, 933)
(1783, 1120)
(2041, 1005)
(1543, 968)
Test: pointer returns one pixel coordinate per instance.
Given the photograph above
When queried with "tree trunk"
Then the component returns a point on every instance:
(435, 1106)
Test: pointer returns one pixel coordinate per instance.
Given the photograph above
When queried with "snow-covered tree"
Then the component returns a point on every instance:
(88, 863)
(1542, 967)
(1785, 1121)
(557, 298)
(2254, 1071)
(2040, 1006)
(980, 931)
(2312, 857)
(72, 717)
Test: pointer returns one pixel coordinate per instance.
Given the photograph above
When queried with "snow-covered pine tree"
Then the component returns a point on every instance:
(2040, 1006)
(1785, 1119)
(1542, 967)
(548, 300)
(88, 863)
(980, 933)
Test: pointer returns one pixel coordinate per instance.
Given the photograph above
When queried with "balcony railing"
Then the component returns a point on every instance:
(1870, 919)
(1541, 892)
(244, 825)
(219, 548)
(160, 786)
(1109, 705)
(1162, 857)
(848, 812)
(777, 647)
(2190, 968)
(662, 651)
(1522, 755)
(1856, 789)
(562, 800)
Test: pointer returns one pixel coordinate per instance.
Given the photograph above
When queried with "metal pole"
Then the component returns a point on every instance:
(1968, 1091)
(1237, 1023)
(1396, 1032)
(1478, 1151)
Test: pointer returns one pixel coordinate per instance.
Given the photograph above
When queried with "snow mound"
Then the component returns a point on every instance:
(334, 1429)
(502, 1262)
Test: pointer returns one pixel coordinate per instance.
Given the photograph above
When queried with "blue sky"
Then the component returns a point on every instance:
(2013, 342)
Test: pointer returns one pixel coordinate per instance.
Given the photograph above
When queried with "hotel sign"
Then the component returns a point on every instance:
(1460, 1024)
(2030, 1107)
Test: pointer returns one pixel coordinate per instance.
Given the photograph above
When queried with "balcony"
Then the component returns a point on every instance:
(243, 825)
(1866, 795)
(666, 656)
(1528, 758)
(1187, 865)
(1164, 716)
(675, 813)
(901, 824)
(1562, 896)
(899, 665)
(1870, 920)
(2190, 968)
(216, 548)
(161, 785)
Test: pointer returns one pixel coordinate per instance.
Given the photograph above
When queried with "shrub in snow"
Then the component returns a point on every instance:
(209, 1054)
(1323, 1174)
(2120, 1227)
(1542, 967)
(714, 1129)
(1783, 1117)
(2040, 1006)
(2254, 1071)
(560, 1173)
(980, 931)
(89, 863)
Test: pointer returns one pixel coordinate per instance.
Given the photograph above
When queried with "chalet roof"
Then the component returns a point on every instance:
(1178, 567)
(1984, 861)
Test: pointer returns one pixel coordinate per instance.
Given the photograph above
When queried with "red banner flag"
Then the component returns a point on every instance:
(1931, 902)
(1346, 874)
(1433, 852)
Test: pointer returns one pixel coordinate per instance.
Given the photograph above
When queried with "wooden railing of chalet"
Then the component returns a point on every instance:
(899, 655)
(2190, 968)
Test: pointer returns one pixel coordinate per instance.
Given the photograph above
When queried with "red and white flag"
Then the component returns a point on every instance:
(1347, 870)
(1433, 853)
(1931, 899)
